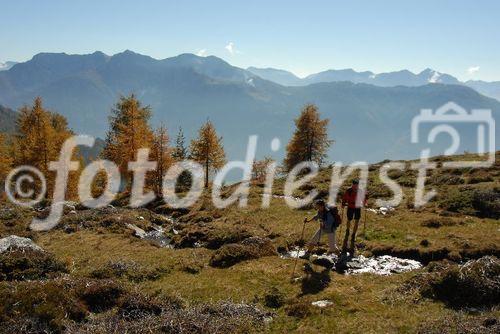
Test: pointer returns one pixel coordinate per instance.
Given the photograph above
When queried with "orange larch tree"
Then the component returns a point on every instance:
(310, 140)
(129, 131)
(40, 137)
(207, 149)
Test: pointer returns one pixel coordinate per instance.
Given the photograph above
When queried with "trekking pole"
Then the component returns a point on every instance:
(297, 255)
(364, 222)
(341, 218)
(319, 239)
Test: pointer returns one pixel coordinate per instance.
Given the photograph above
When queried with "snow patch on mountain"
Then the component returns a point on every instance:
(435, 78)
(7, 65)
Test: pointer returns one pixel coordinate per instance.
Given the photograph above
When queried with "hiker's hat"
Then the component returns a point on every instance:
(355, 181)
(319, 202)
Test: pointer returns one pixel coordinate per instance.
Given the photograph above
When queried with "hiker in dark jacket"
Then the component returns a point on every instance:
(355, 199)
(327, 227)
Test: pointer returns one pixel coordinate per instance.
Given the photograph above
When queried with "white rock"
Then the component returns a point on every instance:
(383, 210)
(168, 219)
(18, 243)
(139, 232)
(322, 303)
(140, 218)
(294, 254)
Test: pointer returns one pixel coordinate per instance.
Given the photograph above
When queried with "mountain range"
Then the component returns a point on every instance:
(368, 122)
(7, 120)
(390, 79)
(7, 65)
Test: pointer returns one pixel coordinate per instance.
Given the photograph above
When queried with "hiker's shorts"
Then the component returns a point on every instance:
(353, 213)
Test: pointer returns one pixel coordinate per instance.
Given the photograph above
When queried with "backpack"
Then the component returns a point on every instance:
(337, 220)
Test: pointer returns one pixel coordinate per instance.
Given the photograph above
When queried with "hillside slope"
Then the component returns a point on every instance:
(7, 120)
(98, 276)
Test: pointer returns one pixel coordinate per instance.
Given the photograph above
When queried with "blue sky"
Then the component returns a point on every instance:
(457, 37)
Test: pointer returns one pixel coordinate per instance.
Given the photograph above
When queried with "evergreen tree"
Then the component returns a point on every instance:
(129, 132)
(180, 153)
(207, 149)
(161, 153)
(310, 139)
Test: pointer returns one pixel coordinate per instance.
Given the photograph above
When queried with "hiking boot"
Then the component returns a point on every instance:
(341, 264)
(306, 256)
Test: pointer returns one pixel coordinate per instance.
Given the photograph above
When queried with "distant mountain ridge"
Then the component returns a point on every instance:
(281, 77)
(389, 79)
(7, 120)
(7, 65)
(368, 122)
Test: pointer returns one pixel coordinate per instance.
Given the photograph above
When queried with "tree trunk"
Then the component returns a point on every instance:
(206, 175)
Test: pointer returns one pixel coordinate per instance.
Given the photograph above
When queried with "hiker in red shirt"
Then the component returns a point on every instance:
(354, 198)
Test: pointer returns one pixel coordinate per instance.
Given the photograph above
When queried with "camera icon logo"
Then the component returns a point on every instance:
(446, 118)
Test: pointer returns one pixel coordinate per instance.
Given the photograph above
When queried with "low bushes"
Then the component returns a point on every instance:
(113, 220)
(29, 265)
(46, 306)
(137, 305)
(299, 309)
(210, 237)
(483, 203)
(274, 298)
(378, 190)
(479, 179)
(250, 248)
(461, 323)
(65, 305)
(222, 317)
(474, 284)
(231, 254)
(438, 222)
(129, 270)
(192, 265)
(100, 295)
(487, 203)
(457, 201)
(15, 221)
(445, 179)
(480, 175)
